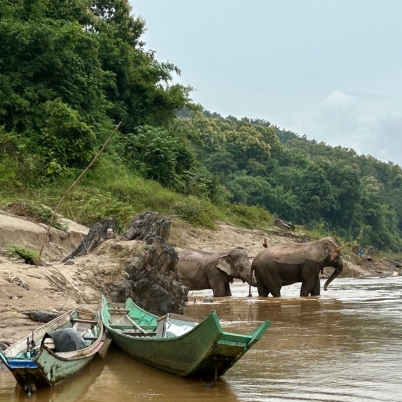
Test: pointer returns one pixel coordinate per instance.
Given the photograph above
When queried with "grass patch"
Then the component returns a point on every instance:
(251, 217)
(36, 211)
(28, 255)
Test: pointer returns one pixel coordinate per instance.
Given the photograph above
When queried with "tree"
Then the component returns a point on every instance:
(141, 93)
(314, 193)
(82, 60)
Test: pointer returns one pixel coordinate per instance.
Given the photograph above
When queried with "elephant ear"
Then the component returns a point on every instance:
(224, 264)
(333, 250)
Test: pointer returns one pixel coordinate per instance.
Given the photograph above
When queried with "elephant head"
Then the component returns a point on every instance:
(236, 264)
(337, 263)
(334, 259)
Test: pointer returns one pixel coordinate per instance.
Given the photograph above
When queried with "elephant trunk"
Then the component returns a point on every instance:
(252, 282)
(337, 271)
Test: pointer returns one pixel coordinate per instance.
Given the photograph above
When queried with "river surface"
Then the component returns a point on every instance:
(345, 345)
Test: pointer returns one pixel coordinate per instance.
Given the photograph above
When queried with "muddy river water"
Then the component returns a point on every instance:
(345, 345)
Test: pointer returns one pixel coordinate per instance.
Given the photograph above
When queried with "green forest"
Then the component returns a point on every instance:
(71, 71)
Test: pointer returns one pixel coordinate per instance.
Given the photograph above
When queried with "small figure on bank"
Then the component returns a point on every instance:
(265, 244)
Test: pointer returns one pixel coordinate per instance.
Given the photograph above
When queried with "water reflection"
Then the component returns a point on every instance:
(342, 346)
(70, 391)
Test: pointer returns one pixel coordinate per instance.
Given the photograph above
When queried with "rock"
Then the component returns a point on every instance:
(146, 225)
(97, 234)
(284, 225)
(16, 280)
(208, 300)
(152, 280)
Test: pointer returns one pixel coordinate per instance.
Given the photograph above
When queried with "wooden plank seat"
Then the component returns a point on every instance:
(118, 311)
(136, 325)
(118, 326)
(90, 338)
(79, 320)
(138, 333)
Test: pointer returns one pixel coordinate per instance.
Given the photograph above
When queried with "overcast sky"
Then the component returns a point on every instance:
(330, 69)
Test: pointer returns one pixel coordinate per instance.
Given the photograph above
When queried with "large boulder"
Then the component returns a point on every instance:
(146, 225)
(152, 280)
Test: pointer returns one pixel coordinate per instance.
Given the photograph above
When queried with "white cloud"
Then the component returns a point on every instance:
(341, 119)
(337, 100)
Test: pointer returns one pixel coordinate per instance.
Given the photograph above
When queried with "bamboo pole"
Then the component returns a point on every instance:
(69, 189)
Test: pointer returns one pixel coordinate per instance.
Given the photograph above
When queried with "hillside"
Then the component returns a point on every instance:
(56, 287)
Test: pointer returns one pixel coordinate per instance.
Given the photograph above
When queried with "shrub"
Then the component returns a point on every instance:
(248, 216)
(197, 211)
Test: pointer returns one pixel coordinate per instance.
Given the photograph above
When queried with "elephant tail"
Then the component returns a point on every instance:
(251, 281)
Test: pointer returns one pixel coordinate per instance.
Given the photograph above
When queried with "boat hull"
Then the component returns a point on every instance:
(204, 351)
(48, 368)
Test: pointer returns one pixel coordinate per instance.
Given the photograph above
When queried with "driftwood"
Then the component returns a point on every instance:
(4, 345)
(41, 316)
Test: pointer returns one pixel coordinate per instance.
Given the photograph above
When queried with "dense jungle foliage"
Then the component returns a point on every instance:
(71, 71)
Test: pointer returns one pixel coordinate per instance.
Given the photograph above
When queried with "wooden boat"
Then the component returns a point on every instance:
(176, 344)
(54, 352)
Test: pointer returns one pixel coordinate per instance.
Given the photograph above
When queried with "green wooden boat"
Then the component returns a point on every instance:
(176, 344)
(54, 352)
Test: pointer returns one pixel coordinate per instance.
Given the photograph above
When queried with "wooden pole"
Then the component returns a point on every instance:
(69, 189)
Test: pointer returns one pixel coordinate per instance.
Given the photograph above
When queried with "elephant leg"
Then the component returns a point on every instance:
(307, 287)
(228, 292)
(316, 287)
(262, 291)
(219, 289)
(276, 292)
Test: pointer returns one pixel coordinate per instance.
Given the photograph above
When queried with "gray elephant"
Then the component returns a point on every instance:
(289, 263)
(202, 269)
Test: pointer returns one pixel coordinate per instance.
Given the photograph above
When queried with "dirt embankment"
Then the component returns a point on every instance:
(56, 287)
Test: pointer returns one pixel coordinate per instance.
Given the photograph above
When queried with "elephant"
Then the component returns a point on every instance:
(288, 263)
(203, 269)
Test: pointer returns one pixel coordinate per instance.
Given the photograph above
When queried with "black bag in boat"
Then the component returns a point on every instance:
(66, 340)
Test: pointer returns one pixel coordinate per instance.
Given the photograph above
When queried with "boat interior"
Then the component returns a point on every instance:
(167, 326)
(30, 346)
